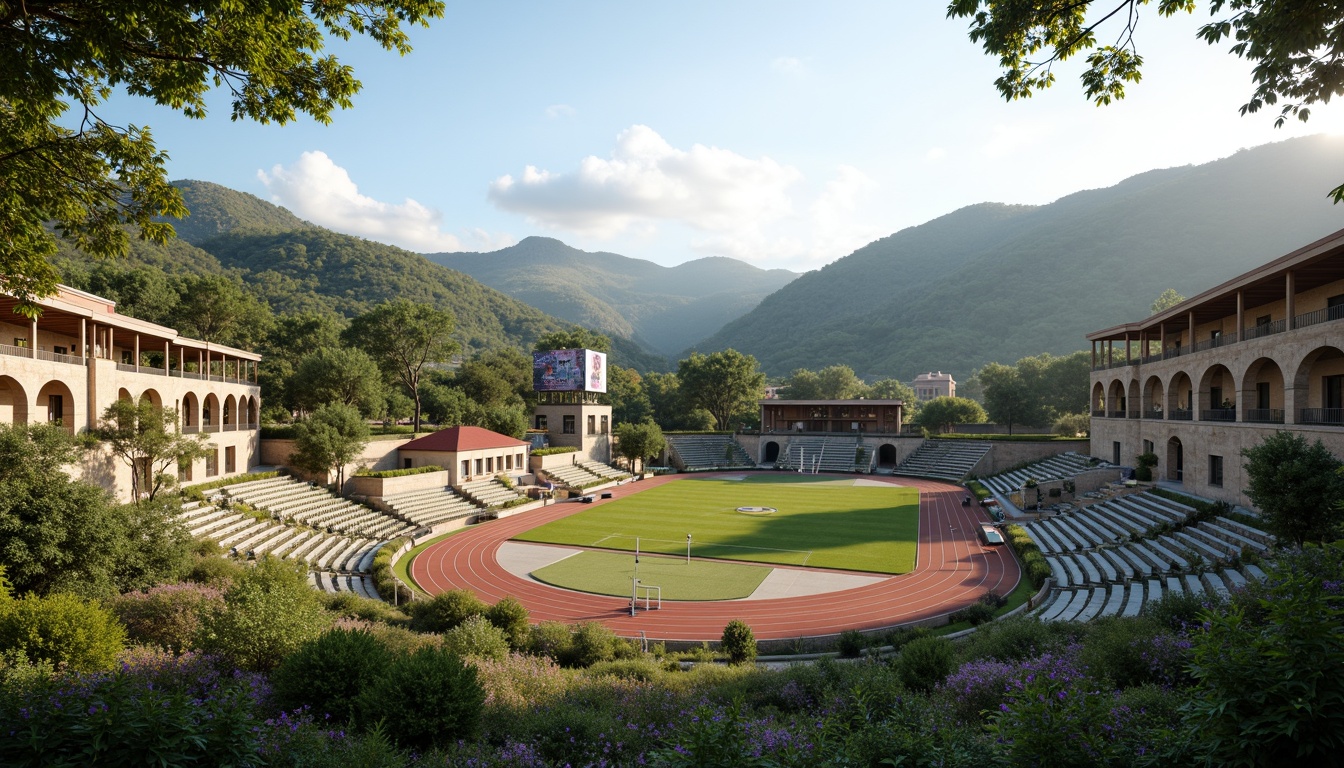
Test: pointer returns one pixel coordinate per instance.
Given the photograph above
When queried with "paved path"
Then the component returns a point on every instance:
(953, 569)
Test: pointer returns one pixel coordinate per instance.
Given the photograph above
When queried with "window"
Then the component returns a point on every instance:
(1115, 453)
(541, 421)
(466, 467)
(1216, 470)
(508, 462)
(1334, 307)
(184, 472)
(1215, 397)
(55, 409)
(61, 350)
(489, 464)
(212, 463)
(592, 424)
(20, 342)
(567, 427)
(1262, 395)
(126, 357)
(605, 426)
(1333, 389)
(1147, 446)
(230, 458)
(407, 463)
(518, 461)
(1262, 321)
(480, 466)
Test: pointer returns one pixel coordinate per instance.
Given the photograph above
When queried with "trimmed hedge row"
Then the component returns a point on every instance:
(383, 579)
(399, 472)
(554, 450)
(1033, 562)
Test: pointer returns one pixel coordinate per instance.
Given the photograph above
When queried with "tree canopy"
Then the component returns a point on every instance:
(1297, 486)
(145, 437)
(1168, 299)
(639, 441)
(331, 437)
(940, 413)
(724, 383)
(91, 177)
(1296, 49)
(403, 337)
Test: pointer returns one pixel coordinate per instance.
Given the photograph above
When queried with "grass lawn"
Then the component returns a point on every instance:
(609, 573)
(819, 522)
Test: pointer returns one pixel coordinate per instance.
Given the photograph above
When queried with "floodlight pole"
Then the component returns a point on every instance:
(688, 549)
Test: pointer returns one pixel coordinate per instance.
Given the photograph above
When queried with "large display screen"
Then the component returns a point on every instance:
(569, 370)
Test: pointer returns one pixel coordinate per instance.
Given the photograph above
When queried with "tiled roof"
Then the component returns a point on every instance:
(457, 439)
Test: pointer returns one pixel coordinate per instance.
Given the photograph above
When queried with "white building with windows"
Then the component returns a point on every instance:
(1197, 383)
(79, 356)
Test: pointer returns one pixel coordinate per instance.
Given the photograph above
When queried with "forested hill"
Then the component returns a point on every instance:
(665, 308)
(216, 210)
(996, 282)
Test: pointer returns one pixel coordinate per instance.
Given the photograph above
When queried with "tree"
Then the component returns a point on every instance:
(723, 383)
(331, 437)
(574, 338)
(1297, 49)
(891, 389)
(940, 413)
(1008, 399)
(90, 177)
(219, 309)
(638, 441)
(802, 384)
(402, 337)
(339, 375)
(1297, 486)
(1168, 299)
(838, 382)
(670, 407)
(269, 612)
(291, 338)
(144, 436)
(445, 406)
(629, 400)
(739, 642)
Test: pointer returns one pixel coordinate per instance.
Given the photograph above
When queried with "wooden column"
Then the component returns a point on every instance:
(136, 361)
(1192, 330)
(1289, 288)
(32, 338)
(167, 356)
(1241, 315)
(83, 339)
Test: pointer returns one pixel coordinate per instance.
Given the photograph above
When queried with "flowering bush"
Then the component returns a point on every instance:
(167, 616)
(61, 629)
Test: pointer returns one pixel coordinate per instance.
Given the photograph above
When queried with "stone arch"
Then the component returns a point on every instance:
(210, 413)
(1262, 392)
(1180, 396)
(13, 402)
(1217, 391)
(1099, 398)
(253, 411)
(1132, 400)
(1316, 387)
(153, 397)
(1116, 398)
(771, 452)
(125, 394)
(191, 412)
(55, 403)
(1154, 400)
(229, 415)
(1175, 460)
(886, 455)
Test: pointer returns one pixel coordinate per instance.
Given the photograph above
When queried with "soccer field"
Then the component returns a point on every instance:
(819, 522)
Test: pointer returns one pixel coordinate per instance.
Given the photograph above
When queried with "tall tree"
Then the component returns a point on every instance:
(1297, 486)
(574, 338)
(331, 437)
(723, 383)
(340, 375)
(291, 338)
(217, 308)
(802, 384)
(838, 382)
(403, 337)
(637, 442)
(940, 413)
(1166, 300)
(90, 177)
(144, 436)
(1008, 399)
(1296, 49)
(629, 399)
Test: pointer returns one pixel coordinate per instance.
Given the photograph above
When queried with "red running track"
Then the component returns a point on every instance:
(952, 570)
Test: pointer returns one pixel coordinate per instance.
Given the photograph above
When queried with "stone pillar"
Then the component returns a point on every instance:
(1191, 317)
(32, 338)
(83, 339)
(167, 352)
(111, 339)
(136, 361)
(1289, 288)
(1241, 315)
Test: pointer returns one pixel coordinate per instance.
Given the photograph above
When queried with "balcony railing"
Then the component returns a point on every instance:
(1264, 415)
(1152, 414)
(1098, 413)
(1319, 316)
(1132, 414)
(58, 358)
(1115, 414)
(210, 428)
(190, 429)
(1218, 414)
(1330, 416)
(1215, 342)
(1265, 329)
(1180, 415)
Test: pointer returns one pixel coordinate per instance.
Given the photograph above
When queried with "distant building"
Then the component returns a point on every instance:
(930, 385)
(569, 384)
(468, 453)
(67, 366)
(833, 416)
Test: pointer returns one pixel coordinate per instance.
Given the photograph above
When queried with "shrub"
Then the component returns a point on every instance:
(1132, 652)
(1178, 610)
(268, 613)
(445, 610)
(328, 674)
(62, 629)
(851, 643)
(477, 637)
(351, 605)
(398, 472)
(976, 613)
(427, 699)
(925, 662)
(551, 639)
(215, 571)
(644, 670)
(739, 643)
(592, 643)
(167, 616)
(1016, 638)
(384, 580)
(553, 450)
(509, 615)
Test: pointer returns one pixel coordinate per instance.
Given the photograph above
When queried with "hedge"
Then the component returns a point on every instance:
(399, 472)
(1033, 562)
(554, 450)
(383, 579)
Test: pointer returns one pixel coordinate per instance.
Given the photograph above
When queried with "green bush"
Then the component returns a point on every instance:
(398, 472)
(851, 643)
(427, 699)
(328, 674)
(510, 616)
(976, 613)
(268, 613)
(384, 580)
(551, 639)
(1016, 638)
(644, 670)
(445, 610)
(61, 629)
(351, 605)
(926, 662)
(1121, 651)
(215, 571)
(593, 642)
(738, 642)
(477, 637)
(167, 616)
(553, 450)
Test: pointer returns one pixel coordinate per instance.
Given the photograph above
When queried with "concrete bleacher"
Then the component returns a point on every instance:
(571, 475)
(604, 471)
(698, 452)
(1086, 602)
(490, 492)
(1063, 466)
(296, 503)
(431, 506)
(944, 459)
(808, 453)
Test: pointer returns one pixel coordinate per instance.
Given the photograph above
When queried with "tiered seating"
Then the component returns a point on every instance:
(431, 507)
(1060, 467)
(248, 537)
(820, 453)
(944, 459)
(604, 471)
(490, 492)
(571, 475)
(339, 582)
(298, 503)
(708, 451)
(1094, 576)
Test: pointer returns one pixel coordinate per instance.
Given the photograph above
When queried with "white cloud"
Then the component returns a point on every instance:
(317, 189)
(647, 179)
(557, 111)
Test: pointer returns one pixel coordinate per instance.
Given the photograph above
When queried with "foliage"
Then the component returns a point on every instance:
(477, 637)
(269, 612)
(425, 699)
(144, 436)
(218, 308)
(1297, 486)
(512, 618)
(403, 337)
(62, 629)
(331, 437)
(940, 413)
(167, 616)
(835, 382)
(338, 375)
(593, 642)
(739, 642)
(1034, 564)
(925, 662)
(327, 674)
(573, 338)
(851, 644)
(551, 639)
(1168, 299)
(445, 610)
(723, 383)
(1073, 424)
(1268, 690)
(385, 473)
(636, 442)
(553, 450)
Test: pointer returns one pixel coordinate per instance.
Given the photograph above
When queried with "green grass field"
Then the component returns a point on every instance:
(609, 573)
(823, 523)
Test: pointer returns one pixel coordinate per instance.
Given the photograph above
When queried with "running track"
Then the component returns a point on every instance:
(952, 570)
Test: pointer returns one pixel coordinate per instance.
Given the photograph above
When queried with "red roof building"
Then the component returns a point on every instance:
(468, 453)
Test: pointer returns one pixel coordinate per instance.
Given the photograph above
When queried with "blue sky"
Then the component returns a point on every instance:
(786, 134)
